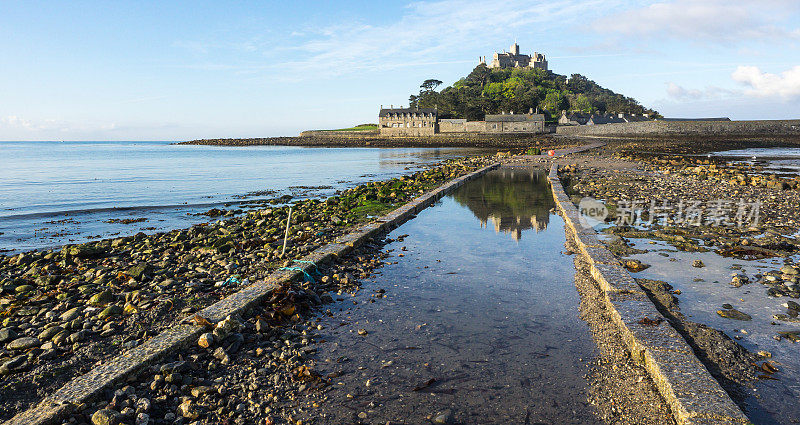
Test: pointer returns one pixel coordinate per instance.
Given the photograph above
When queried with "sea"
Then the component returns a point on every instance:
(57, 193)
(777, 160)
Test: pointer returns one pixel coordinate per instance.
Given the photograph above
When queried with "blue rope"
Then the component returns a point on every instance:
(307, 277)
(316, 269)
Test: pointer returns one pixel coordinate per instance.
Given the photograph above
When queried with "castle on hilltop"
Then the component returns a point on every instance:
(514, 59)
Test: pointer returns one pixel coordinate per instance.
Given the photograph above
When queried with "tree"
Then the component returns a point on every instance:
(582, 104)
(489, 91)
(430, 85)
(554, 102)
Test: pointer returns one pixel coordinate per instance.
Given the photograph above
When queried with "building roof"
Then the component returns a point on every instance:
(606, 119)
(514, 117)
(635, 118)
(386, 111)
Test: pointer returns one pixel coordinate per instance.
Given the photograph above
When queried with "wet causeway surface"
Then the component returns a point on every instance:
(479, 319)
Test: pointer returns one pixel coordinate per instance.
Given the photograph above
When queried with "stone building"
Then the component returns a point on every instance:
(425, 122)
(407, 121)
(573, 118)
(514, 59)
(515, 123)
(580, 118)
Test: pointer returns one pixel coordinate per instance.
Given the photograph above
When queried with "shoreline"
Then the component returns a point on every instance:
(677, 143)
(78, 305)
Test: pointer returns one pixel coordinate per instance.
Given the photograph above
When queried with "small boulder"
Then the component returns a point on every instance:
(109, 312)
(101, 298)
(139, 271)
(787, 269)
(189, 410)
(24, 343)
(106, 417)
(206, 340)
(734, 314)
(7, 334)
(635, 265)
(71, 314)
(84, 251)
(738, 280)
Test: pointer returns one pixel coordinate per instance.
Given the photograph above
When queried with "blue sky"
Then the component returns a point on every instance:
(84, 70)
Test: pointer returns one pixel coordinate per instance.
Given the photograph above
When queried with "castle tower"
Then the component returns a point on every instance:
(514, 49)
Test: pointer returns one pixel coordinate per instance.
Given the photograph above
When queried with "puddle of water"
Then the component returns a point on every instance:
(480, 317)
(699, 301)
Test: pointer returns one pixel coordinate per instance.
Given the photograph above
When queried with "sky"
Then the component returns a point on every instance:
(141, 70)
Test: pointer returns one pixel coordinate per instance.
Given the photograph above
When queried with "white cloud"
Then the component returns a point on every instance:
(762, 84)
(680, 93)
(431, 31)
(696, 20)
(13, 121)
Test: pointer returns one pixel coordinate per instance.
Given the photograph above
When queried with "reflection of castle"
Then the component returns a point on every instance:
(512, 200)
(515, 225)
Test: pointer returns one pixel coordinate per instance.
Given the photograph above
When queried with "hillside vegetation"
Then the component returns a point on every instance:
(491, 91)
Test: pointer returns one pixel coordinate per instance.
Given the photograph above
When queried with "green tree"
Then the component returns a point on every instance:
(555, 102)
(582, 103)
(430, 85)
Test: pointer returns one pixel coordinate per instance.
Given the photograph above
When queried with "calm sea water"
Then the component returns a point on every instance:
(784, 160)
(54, 193)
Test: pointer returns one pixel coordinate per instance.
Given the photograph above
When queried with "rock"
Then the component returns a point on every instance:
(262, 325)
(635, 265)
(49, 333)
(233, 342)
(23, 289)
(7, 334)
(221, 355)
(698, 263)
(142, 418)
(139, 271)
(101, 298)
(206, 340)
(225, 327)
(24, 343)
(143, 405)
(189, 410)
(201, 390)
(84, 251)
(106, 417)
(15, 365)
(734, 314)
(789, 270)
(738, 280)
(362, 332)
(71, 314)
(109, 312)
(443, 418)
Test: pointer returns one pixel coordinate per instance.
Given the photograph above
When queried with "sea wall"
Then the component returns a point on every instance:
(329, 133)
(359, 138)
(686, 128)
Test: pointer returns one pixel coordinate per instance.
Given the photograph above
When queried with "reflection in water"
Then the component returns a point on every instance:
(511, 199)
